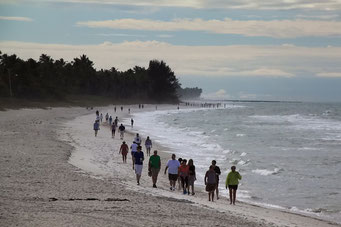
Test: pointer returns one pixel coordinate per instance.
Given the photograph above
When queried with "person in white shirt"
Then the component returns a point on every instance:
(137, 139)
(133, 149)
(173, 168)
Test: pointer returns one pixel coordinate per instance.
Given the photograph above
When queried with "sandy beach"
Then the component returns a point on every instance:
(48, 179)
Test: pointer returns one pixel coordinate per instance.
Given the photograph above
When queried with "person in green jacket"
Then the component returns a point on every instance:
(232, 181)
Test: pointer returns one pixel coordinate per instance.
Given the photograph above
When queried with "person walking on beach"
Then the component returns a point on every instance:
(132, 122)
(217, 171)
(101, 117)
(96, 127)
(232, 181)
(110, 120)
(121, 129)
(191, 176)
(148, 144)
(133, 149)
(113, 129)
(116, 121)
(137, 139)
(138, 160)
(173, 167)
(210, 182)
(183, 173)
(106, 117)
(124, 151)
(154, 166)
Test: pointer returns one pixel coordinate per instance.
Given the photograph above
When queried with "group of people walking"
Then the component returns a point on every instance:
(179, 170)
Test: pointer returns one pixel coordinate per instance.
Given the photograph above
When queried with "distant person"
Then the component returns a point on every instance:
(154, 166)
(133, 149)
(115, 109)
(124, 151)
(210, 182)
(129, 110)
(173, 167)
(155, 107)
(232, 181)
(148, 144)
(96, 127)
(138, 161)
(142, 106)
(191, 176)
(116, 121)
(110, 120)
(101, 117)
(121, 108)
(122, 130)
(132, 122)
(217, 171)
(183, 174)
(113, 129)
(106, 117)
(97, 113)
(137, 139)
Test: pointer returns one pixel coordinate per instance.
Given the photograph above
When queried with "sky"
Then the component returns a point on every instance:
(286, 50)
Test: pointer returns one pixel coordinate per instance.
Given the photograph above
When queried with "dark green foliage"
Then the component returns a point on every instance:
(49, 78)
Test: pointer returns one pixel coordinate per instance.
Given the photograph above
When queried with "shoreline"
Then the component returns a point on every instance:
(41, 188)
(199, 193)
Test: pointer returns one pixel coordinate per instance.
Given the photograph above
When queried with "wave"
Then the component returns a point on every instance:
(265, 172)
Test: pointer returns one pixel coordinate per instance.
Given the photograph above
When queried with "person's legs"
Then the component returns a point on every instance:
(186, 184)
(212, 193)
(138, 176)
(217, 190)
(230, 193)
(234, 196)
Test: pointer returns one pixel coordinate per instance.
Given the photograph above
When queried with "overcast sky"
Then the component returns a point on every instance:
(234, 49)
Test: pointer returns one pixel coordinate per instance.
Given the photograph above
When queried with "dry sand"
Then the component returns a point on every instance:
(39, 187)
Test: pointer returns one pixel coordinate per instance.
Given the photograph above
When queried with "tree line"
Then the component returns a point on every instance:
(49, 78)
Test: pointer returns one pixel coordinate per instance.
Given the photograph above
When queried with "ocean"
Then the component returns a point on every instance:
(288, 153)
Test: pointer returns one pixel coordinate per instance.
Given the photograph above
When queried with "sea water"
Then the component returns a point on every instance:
(289, 154)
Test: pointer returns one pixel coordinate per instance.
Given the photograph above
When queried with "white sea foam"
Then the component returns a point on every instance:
(265, 172)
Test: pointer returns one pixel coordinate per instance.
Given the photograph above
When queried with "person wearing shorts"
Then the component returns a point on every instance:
(191, 176)
(217, 171)
(210, 182)
(154, 167)
(121, 129)
(232, 181)
(124, 151)
(173, 168)
(138, 160)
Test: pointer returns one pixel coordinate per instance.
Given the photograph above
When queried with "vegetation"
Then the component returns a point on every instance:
(48, 79)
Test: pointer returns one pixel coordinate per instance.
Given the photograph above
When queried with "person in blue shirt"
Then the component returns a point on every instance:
(138, 161)
(96, 127)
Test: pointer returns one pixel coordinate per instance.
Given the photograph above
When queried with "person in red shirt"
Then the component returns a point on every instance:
(183, 173)
(124, 151)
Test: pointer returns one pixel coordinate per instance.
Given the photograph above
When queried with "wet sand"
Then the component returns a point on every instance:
(40, 187)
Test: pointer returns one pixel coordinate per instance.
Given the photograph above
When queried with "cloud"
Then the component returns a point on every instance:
(205, 61)
(329, 74)
(274, 28)
(26, 19)
(327, 5)
(120, 35)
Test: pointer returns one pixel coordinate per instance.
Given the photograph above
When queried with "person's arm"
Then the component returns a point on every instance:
(227, 181)
(205, 178)
(120, 150)
(239, 176)
(166, 169)
(149, 165)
